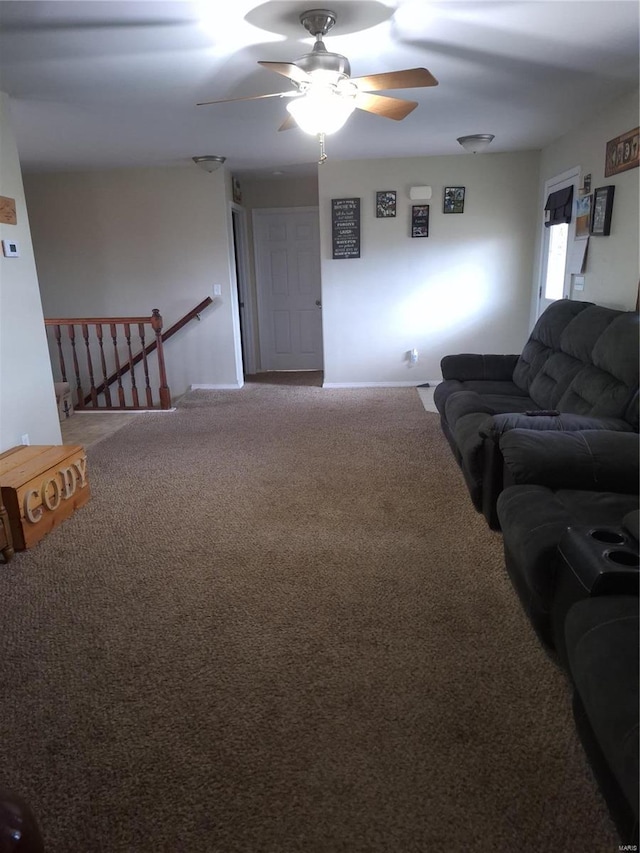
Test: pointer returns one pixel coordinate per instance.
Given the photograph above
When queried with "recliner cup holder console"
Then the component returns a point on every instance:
(614, 537)
(623, 558)
(593, 562)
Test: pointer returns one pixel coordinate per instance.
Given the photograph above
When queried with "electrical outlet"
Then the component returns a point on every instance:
(413, 356)
(25, 438)
(217, 290)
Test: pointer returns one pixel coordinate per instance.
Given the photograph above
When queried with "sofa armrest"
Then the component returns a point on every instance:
(591, 460)
(501, 424)
(462, 403)
(470, 366)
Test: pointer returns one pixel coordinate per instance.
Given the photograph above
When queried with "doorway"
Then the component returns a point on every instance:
(555, 275)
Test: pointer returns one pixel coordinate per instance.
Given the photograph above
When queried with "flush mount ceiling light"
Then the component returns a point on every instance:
(209, 162)
(476, 143)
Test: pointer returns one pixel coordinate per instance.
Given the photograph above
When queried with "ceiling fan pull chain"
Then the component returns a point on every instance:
(323, 155)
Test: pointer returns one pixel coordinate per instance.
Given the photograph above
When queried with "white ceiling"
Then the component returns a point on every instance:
(101, 83)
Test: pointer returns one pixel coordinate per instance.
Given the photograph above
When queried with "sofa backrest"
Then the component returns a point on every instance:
(582, 358)
(607, 386)
(544, 340)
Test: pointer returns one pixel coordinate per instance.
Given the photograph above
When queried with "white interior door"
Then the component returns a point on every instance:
(287, 252)
(555, 279)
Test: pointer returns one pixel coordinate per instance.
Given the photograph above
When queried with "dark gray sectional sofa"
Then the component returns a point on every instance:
(577, 371)
(547, 442)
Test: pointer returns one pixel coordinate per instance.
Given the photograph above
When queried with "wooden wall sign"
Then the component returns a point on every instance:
(8, 210)
(623, 153)
(345, 227)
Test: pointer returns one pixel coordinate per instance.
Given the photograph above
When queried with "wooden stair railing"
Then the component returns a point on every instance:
(124, 359)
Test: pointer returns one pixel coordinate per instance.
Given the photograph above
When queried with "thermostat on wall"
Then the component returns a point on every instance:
(10, 249)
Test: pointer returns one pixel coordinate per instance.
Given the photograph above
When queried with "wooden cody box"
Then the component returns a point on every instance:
(41, 486)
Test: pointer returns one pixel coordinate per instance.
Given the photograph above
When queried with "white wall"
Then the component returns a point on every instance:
(465, 287)
(122, 242)
(612, 263)
(127, 241)
(27, 398)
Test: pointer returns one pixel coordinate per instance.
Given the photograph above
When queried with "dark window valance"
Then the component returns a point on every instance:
(558, 207)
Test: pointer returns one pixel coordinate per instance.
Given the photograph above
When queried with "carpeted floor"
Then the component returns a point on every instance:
(280, 627)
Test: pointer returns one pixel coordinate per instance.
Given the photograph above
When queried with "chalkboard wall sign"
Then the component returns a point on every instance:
(345, 227)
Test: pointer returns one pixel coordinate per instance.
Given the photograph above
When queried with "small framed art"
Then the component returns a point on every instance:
(420, 220)
(453, 200)
(385, 204)
(601, 209)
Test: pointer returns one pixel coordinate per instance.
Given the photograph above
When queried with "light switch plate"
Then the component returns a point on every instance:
(10, 249)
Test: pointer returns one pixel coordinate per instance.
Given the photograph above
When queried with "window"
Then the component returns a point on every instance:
(556, 261)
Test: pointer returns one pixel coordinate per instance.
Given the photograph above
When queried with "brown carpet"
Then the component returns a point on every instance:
(280, 626)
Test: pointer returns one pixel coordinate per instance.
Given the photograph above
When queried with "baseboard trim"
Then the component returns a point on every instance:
(228, 387)
(414, 384)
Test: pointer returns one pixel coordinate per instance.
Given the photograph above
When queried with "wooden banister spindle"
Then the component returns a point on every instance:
(103, 364)
(145, 366)
(76, 368)
(165, 394)
(92, 385)
(58, 335)
(134, 389)
(114, 338)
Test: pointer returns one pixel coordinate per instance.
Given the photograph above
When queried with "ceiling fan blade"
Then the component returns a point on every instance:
(287, 69)
(288, 123)
(247, 98)
(410, 78)
(380, 105)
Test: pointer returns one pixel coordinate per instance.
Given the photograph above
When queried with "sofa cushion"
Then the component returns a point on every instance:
(607, 384)
(553, 379)
(580, 336)
(545, 339)
(580, 459)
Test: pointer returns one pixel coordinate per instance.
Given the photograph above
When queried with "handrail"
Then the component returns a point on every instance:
(122, 366)
(190, 315)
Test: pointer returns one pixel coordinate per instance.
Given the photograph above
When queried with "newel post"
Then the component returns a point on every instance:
(165, 394)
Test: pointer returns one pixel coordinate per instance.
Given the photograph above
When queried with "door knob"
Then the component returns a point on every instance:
(318, 303)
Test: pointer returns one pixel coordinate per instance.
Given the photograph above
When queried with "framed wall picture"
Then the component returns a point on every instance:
(235, 190)
(583, 215)
(420, 220)
(601, 209)
(385, 204)
(453, 200)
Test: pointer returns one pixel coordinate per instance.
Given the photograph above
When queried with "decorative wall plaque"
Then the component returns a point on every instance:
(8, 210)
(345, 227)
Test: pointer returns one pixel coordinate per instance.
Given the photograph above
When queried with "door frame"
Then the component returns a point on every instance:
(257, 211)
(569, 177)
(242, 300)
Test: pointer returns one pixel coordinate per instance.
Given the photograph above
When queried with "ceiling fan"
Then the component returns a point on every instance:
(324, 94)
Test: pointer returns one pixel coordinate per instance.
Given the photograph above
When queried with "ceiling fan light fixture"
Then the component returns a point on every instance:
(321, 110)
(476, 143)
(209, 162)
